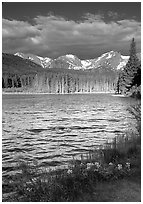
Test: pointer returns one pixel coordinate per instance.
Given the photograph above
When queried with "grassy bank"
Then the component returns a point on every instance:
(84, 179)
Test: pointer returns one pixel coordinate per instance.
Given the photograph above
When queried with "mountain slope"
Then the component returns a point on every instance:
(67, 61)
(13, 64)
(111, 60)
(37, 59)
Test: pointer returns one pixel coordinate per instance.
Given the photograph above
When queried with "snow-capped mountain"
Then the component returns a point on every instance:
(68, 61)
(110, 60)
(37, 59)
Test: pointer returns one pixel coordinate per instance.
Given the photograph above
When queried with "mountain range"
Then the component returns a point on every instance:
(110, 60)
(66, 74)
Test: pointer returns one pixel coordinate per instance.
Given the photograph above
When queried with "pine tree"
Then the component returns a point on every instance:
(130, 71)
(118, 84)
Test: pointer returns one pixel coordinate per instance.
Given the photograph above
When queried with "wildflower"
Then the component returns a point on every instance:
(28, 189)
(82, 165)
(71, 166)
(128, 165)
(34, 179)
(89, 165)
(69, 171)
(119, 166)
(97, 164)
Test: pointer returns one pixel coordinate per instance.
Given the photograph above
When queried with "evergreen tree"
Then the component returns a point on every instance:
(137, 78)
(130, 74)
(118, 84)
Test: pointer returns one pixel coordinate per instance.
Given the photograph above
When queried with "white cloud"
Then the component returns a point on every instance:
(19, 29)
(52, 35)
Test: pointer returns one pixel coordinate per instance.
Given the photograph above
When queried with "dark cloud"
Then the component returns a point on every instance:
(113, 15)
(53, 36)
(89, 17)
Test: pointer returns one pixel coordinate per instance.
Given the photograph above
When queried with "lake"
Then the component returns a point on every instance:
(53, 128)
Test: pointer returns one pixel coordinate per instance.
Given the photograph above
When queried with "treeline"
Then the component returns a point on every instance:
(61, 82)
(129, 79)
(12, 64)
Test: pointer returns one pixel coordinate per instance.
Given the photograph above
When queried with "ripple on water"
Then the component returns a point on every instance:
(6, 130)
(66, 145)
(50, 164)
(113, 120)
(53, 127)
(36, 130)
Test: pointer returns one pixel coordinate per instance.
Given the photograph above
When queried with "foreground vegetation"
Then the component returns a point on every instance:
(81, 180)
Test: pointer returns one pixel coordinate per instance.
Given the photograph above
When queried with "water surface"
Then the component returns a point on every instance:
(53, 128)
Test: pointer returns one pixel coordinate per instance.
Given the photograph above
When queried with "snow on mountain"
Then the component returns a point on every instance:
(86, 63)
(46, 59)
(121, 65)
(67, 62)
(37, 59)
(71, 59)
(110, 60)
(123, 62)
(19, 54)
(45, 62)
(70, 56)
(110, 54)
(125, 57)
(106, 55)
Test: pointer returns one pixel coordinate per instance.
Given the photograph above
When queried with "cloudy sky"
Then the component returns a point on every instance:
(86, 29)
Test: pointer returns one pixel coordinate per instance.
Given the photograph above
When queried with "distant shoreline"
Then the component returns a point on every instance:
(39, 93)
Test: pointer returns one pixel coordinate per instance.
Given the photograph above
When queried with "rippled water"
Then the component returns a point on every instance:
(53, 128)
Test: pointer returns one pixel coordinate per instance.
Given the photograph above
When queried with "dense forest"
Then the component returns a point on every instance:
(55, 81)
(24, 75)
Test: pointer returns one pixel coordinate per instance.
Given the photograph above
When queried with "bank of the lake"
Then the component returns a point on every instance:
(30, 92)
(109, 175)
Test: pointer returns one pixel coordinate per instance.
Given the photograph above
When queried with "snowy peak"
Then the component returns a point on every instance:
(86, 63)
(70, 56)
(67, 62)
(36, 59)
(111, 54)
(125, 57)
(19, 54)
(109, 60)
(108, 55)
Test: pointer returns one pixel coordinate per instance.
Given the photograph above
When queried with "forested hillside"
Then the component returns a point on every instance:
(23, 75)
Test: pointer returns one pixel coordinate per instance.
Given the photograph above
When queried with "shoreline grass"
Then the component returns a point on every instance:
(81, 176)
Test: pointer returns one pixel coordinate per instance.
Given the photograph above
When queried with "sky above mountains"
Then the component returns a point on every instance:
(85, 29)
